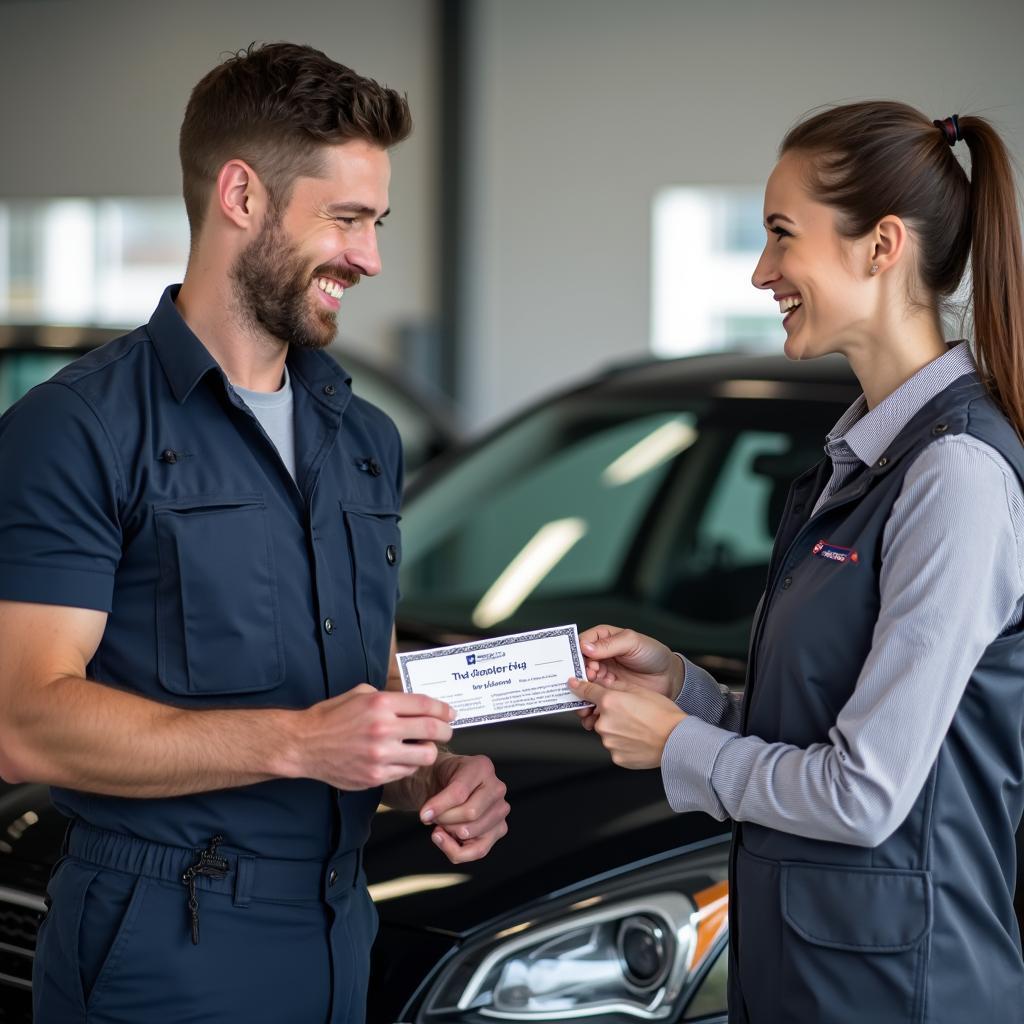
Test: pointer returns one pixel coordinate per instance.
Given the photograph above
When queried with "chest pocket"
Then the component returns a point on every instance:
(218, 627)
(376, 547)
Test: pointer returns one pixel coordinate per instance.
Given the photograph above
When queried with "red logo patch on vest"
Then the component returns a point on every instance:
(834, 553)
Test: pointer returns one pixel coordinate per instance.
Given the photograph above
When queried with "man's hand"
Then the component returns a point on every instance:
(634, 722)
(366, 737)
(467, 808)
(625, 656)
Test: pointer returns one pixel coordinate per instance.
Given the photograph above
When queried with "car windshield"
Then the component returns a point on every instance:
(654, 514)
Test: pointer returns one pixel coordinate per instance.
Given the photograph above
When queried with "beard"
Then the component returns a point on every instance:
(272, 283)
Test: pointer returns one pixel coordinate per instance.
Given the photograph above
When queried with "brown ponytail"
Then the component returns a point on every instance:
(997, 269)
(876, 158)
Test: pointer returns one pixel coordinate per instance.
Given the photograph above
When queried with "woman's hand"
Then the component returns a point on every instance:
(617, 655)
(634, 722)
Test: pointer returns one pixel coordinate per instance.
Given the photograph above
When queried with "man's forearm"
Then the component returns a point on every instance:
(59, 728)
(85, 735)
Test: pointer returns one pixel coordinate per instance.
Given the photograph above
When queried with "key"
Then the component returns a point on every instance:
(193, 906)
(212, 865)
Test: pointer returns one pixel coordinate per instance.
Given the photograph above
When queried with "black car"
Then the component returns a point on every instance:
(647, 497)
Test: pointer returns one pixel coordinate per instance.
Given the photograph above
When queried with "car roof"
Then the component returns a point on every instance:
(699, 372)
(730, 374)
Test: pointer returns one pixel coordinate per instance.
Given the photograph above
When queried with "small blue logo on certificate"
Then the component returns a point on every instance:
(470, 659)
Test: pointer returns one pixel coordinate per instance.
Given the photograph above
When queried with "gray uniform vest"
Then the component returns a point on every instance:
(922, 927)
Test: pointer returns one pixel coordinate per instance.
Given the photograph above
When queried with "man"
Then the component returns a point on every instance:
(198, 572)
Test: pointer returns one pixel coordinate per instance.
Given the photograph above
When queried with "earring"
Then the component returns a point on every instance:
(874, 268)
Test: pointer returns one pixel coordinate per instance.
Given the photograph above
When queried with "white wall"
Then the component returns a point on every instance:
(583, 109)
(92, 94)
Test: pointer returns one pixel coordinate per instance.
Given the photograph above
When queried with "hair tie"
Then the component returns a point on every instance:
(950, 129)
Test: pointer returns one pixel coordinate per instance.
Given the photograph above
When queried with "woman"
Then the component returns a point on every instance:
(874, 767)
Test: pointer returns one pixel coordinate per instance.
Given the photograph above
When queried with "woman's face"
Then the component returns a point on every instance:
(820, 279)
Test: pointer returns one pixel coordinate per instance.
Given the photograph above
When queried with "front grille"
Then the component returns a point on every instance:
(18, 926)
(15, 966)
(20, 914)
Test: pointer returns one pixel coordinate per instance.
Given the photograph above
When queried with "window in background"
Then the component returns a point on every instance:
(89, 261)
(21, 371)
(706, 245)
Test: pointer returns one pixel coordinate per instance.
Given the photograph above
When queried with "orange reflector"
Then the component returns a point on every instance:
(710, 920)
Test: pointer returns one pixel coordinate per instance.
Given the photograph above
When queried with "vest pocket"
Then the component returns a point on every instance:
(857, 937)
(870, 910)
(376, 548)
(218, 627)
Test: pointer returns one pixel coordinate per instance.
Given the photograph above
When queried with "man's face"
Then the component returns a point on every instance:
(291, 278)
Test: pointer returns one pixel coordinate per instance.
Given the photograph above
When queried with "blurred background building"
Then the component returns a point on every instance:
(583, 184)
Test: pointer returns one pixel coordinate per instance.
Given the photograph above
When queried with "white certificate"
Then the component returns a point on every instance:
(500, 679)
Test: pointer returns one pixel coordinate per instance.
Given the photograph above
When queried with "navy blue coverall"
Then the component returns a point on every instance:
(137, 483)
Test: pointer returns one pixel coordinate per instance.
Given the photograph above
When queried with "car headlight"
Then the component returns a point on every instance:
(630, 947)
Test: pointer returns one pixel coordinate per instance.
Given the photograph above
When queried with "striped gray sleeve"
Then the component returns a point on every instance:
(704, 697)
(959, 516)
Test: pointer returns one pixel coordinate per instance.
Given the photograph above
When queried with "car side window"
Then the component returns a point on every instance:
(736, 528)
(707, 559)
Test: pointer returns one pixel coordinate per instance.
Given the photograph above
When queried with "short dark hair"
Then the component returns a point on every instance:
(276, 106)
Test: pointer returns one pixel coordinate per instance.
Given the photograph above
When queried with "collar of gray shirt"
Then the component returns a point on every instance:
(260, 400)
(865, 435)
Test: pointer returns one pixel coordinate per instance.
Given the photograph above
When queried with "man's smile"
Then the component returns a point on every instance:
(331, 287)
